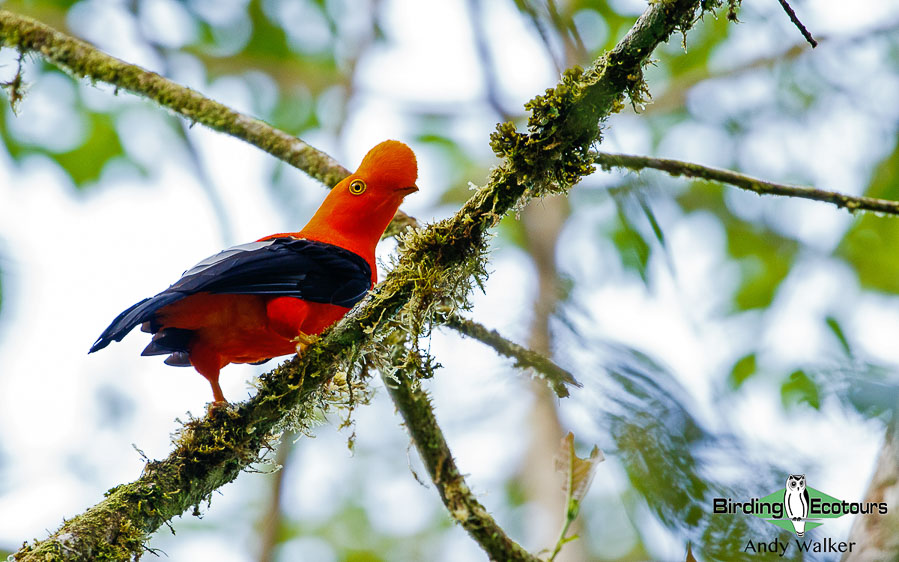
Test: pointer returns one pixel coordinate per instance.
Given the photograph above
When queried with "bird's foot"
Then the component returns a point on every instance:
(216, 405)
(303, 341)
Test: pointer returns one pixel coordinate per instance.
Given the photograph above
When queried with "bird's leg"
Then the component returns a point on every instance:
(209, 364)
(219, 398)
(217, 391)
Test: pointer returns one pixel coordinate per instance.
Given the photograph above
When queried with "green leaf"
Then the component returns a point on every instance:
(653, 222)
(632, 248)
(798, 388)
(85, 163)
(765, 259)
(870, 245)
(837, 330)
(743, 369)
(764, 256)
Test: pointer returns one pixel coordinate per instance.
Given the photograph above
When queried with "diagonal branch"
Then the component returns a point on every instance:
(795, 19)
(415, 406)
(525, 358)
(762, 187)
(435, 264)
(85, 61)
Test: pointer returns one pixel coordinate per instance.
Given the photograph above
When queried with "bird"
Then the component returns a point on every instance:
(268, 298)
(796, 502)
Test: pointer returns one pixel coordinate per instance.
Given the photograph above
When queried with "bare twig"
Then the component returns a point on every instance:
(795, 19)
(762, 187)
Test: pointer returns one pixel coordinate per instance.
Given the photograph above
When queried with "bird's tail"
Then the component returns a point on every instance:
(136, 314)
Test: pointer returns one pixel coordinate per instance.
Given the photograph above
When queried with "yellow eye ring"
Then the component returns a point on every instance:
(357, 187)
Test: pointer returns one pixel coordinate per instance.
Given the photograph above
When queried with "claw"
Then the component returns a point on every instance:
(303, 341)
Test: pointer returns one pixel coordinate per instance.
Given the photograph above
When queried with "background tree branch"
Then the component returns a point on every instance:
(762, 187)
(414, 404)
(878, 538)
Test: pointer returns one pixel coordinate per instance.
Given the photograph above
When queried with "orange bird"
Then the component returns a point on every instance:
(260, 300)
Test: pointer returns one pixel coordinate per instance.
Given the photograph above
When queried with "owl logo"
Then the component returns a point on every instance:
(796, 502)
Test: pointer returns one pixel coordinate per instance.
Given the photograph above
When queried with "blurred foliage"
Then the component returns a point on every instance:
(870, 245)
(98, 145)
(665, 451)
(744, 368)
(764, 256)
(798, 387)
(260, 43)
(298, 59)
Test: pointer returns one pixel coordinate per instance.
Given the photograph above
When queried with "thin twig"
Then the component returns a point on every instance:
(489, 70)
(762, 187)
(795, 19)
(555, 376)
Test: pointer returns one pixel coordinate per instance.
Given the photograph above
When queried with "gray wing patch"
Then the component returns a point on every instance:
(225, 254)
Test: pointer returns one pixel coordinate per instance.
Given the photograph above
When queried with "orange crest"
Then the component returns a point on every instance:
(390, 163)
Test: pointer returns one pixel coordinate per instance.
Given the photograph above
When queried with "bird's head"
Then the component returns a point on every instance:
(359, 208)
(388, 170)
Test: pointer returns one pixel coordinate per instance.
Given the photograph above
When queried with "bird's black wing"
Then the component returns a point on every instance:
(280, 267)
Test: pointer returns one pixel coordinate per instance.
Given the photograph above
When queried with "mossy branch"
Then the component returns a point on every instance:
(679, 168)
(82, 60)
(525, 358)
(85, 61)
(414, 405)
(435, 265)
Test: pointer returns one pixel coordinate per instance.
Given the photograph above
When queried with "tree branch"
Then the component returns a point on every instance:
(762, 187)
(525, 358)
(436, 264)
(414, 405)
(85, 61)
(878, 537)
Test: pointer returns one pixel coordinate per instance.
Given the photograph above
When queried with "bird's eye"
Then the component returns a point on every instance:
(357, 187)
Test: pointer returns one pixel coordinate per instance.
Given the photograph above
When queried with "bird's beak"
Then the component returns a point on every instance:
(407, 190)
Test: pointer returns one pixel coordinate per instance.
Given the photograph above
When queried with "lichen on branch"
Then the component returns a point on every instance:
(676, 168)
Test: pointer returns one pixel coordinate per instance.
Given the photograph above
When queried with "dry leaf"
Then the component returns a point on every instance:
(578, 472)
